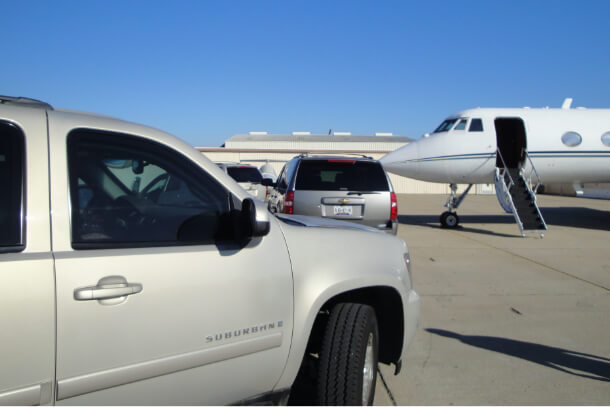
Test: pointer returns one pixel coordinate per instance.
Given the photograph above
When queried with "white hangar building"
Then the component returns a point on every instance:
(258, 148)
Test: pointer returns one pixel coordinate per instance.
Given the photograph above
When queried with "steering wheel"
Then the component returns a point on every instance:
(153, 194)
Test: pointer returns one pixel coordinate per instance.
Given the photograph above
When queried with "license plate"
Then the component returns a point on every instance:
(342, 210)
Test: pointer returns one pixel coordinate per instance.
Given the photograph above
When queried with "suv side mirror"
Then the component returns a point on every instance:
(268, 182)
(238, 225)
(254, 218)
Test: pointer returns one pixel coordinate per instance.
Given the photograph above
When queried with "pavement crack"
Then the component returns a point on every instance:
(387, 389)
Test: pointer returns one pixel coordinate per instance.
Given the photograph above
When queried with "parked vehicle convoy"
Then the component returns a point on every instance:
(351, 188)
(135, 271)
(248, 177)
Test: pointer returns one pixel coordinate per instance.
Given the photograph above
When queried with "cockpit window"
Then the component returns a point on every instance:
(461, 124)
(476, 125)
(445, 126)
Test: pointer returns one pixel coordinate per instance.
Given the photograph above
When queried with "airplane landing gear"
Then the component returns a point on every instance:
(450, 219)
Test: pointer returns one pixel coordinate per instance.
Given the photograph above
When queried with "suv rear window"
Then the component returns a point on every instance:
(245, 174)
(341, 175)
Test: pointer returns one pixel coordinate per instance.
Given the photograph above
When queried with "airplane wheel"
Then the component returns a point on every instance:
(449, 220)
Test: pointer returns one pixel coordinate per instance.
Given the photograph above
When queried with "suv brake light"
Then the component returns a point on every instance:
(393, 207)
(289, 203)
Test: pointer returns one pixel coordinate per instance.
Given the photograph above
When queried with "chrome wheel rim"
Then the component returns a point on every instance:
(451, 220)
(368, 371)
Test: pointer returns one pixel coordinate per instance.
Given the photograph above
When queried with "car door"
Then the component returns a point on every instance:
(27, 309)
(156, 303)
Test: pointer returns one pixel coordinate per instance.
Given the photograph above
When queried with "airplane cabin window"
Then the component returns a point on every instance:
(476, 125)
(606, 138)
(445, 126)
(461, 124)
(571, 139)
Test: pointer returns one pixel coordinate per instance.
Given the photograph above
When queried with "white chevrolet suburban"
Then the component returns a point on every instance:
(135, 271)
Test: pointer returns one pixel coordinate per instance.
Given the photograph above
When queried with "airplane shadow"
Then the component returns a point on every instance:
(576, 217)
(567, 361)
(432, 221)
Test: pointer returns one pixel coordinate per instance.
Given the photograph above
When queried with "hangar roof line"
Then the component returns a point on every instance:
(301, 137)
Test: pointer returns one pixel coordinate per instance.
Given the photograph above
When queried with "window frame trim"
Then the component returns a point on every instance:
(20, 247)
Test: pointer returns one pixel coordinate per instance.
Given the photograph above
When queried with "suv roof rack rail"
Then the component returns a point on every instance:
(26, 101)
(335, 153)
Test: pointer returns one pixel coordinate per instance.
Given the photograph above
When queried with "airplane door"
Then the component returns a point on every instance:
(512, 142)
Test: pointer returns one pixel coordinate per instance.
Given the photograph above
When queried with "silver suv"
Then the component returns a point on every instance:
(248, 177)
(135, 271)
(355, 189)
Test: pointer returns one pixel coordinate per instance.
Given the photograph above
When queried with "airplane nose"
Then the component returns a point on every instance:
(402, 161)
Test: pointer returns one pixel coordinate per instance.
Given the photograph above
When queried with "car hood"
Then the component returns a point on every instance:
(310, 221)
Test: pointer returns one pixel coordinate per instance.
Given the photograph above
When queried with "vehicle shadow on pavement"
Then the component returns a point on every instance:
(564, 360)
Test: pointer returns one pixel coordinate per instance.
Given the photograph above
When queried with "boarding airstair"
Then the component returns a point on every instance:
(517, 195)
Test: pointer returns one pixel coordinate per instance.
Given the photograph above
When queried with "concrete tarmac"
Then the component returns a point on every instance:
(506, 320)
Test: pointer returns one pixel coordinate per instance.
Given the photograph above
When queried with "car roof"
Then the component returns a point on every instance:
(236, 165)
(338, 157)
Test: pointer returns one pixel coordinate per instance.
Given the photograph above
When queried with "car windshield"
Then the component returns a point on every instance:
(245, 174)
(341, 175)
(445, 126)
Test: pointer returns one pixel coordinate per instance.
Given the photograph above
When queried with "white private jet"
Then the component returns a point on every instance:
(517, 149)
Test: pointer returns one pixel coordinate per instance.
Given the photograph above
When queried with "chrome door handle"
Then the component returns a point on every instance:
(106, 288)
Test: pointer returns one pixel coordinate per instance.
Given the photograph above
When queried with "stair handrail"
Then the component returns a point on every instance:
(533, 171)
(505, 171)
(507, 196)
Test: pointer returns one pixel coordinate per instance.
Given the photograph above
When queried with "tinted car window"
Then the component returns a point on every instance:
(128, 191)
(341, 175)
(291, 167)
(245, 174)
(281, 180)
(12, 153)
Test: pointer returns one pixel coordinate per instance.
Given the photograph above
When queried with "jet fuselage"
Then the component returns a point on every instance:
(565, 146)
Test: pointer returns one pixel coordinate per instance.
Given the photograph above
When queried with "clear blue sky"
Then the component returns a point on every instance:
(206, 70)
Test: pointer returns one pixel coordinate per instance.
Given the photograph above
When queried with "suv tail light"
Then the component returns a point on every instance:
(393, 207)
(289, 203)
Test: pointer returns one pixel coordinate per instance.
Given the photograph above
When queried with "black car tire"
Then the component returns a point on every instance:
(349, 355)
